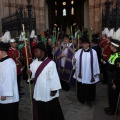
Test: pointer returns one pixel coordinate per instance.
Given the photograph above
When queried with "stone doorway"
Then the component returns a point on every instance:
(65, 13)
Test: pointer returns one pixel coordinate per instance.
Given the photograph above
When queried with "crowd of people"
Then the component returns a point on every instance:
(56, 62)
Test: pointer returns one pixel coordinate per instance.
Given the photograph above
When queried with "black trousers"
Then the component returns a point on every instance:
(25, 76)
(9, 111)
(112, 98)
(104, 72)
(112, 93)
(18, 81)
(65, 85)
(86, 92)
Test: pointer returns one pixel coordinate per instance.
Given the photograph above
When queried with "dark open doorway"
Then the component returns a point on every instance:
(65, 13)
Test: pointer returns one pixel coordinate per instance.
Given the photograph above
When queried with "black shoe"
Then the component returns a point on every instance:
(107, 109)
(104, 82)
(82, 102)
(111, 112)
(89, 103)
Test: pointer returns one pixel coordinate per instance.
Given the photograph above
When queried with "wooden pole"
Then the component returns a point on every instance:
(74, 55)
(28, 69)
(117, 106)
(78, 41)
(72, 40)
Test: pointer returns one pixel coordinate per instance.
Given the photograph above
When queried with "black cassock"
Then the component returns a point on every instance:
(50, 110)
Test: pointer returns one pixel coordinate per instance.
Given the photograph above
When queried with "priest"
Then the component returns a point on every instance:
(63, 58)
(87, 72)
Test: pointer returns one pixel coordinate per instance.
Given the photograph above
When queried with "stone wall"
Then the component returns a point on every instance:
(8, 7)
(95, 13)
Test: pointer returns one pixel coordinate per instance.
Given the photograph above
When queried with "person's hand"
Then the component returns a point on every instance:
(28, 72)
(74, 60)
(52, 93)
(96, 75)
(3, 98)
(22, 68)
(104, 62)
(62, 55)
(114, 86)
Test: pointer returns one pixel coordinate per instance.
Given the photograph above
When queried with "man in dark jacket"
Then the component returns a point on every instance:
(113, 70)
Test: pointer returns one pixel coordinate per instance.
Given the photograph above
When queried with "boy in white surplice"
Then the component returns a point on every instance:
(47, 85)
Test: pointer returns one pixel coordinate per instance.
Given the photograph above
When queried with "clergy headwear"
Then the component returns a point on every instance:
(4, 46)
(4, 41)
(85, 39)
(32, 35)
(116, 34)
(41, 46)
(65, 35)
(111, 33)
(22, 36)
(6, 37)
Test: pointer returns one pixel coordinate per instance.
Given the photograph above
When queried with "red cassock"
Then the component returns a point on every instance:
(106, 50)
(15, 55)
(28, 54)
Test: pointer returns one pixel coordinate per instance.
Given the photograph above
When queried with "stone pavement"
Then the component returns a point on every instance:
(72, 109)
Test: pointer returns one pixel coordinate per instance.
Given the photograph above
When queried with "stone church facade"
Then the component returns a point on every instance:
(92, 12)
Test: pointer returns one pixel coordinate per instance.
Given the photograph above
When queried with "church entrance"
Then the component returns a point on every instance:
(65, 13)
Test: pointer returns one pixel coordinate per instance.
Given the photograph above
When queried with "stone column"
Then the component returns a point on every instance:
(12, 6)
(97, 13)
(18, 3)
(42, 15)
(86, 14)
(5, 8)
(36, 7)
(46, 16)
(92, 14)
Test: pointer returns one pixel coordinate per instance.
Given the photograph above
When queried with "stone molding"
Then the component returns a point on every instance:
(6, 4)
(96, 5)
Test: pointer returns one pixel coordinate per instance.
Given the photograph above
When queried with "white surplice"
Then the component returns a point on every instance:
(86, 67)
(47, 81)
(8, 81)
(65, 52)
